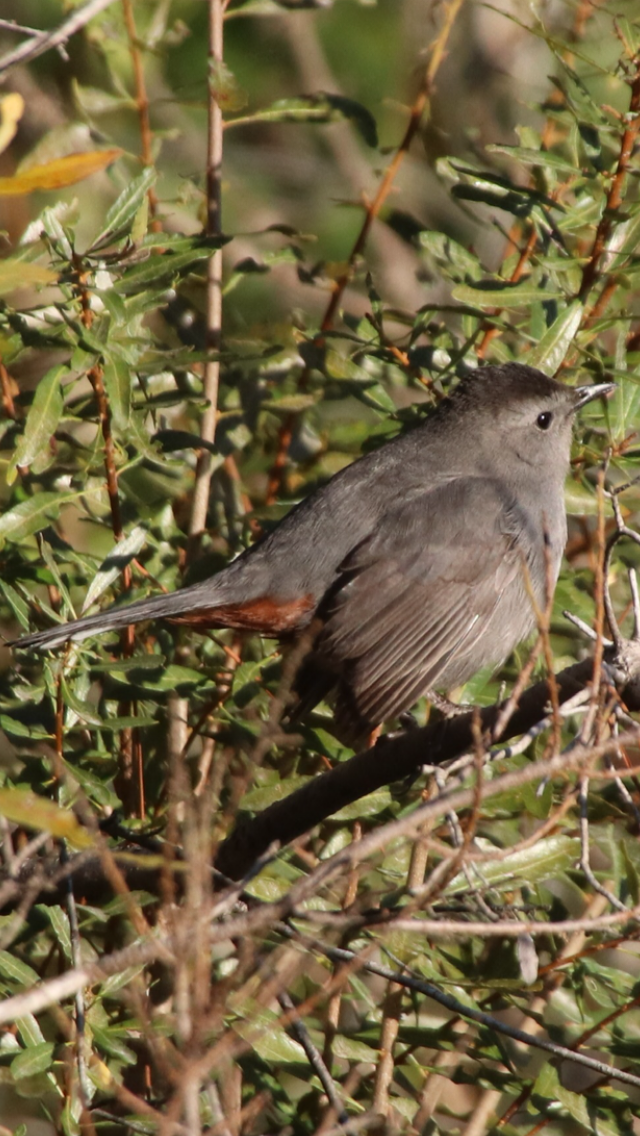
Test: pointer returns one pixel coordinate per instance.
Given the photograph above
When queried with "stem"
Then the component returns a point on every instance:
(142, 101)
(214, 279)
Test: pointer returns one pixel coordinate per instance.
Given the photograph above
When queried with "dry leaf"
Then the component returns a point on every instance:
(11, 109)
(61, 172)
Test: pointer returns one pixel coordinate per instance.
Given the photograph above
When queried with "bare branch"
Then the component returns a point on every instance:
(45, 41)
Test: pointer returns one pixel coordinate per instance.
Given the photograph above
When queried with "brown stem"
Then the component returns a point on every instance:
(214, 279)
(392, 759)
(131, 798)
(614, 197)
(142, 102)
(6, 392)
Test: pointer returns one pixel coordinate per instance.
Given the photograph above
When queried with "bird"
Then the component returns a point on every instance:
(410, 569)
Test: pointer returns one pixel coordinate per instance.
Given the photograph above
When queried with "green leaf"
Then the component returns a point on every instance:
(579, 1107)
(489, 294)
(529, 157)
(12, 967)
(109, 1042)
(117, 381)
(36, 1059)
(25, 808)
(17, 729)
(60, 924)
(292, 403)
(552, 349)
(544, 860)
(31, 515)
(29, 1029)
(321, 108)
(261, 798)
(160, 269)
(268, 1039)
(580, 501)
(448, 252)
(16, 274)
(125, 208)
(112, 566)
(83, 710)
(370, 805)
(15, 601)
(42, 422)
(169, 679)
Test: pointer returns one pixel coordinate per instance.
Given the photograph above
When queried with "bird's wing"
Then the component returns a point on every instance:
(418, 593)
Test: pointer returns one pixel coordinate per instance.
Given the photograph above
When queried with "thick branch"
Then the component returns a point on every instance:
(391, 759)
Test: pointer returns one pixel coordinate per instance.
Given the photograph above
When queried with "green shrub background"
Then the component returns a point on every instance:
(500, 238)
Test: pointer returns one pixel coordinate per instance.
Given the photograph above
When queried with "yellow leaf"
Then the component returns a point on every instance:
(23, 807)
(56, 174)
(11, 108)
(16, 274)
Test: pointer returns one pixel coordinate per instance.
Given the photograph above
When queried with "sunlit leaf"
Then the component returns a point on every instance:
(32, 811)
(11, 111)
(58, 173)
(16, 274)
(42, 422)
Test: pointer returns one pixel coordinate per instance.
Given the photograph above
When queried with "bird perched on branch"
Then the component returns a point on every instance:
(416, 565)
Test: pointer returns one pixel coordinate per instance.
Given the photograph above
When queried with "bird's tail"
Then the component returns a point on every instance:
(196, 599)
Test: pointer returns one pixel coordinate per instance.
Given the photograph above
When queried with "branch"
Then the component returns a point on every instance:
(45, 41)
(390, 760)
(202, 487)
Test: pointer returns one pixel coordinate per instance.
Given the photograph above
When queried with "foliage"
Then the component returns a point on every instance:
(528, 251)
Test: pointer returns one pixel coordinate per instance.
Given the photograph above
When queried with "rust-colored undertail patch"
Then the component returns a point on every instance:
(265, 615)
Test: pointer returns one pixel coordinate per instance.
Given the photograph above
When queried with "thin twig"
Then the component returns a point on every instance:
(313, 1057)
(419, 986)
(614, 196)
(45, 41)
(142, 101)
(204, 469)
(372, 209)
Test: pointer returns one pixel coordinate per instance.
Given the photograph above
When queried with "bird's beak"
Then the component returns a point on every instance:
(587, 394)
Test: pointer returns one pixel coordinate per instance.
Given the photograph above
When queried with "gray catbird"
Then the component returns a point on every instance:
(412, 562)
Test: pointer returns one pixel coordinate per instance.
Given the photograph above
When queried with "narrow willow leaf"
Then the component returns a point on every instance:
(117, 381)
(320, 108)
(164, 268)
(448, 252)
(552, 349)
(60, 923)
(36, 1059)
(60, 172)
(123, 211)
(15, 601)
(548, 858)
(529, 157)
(24, 807)
(491, 295)
(16, 274)
(121, 555)
(30, 516)
(18, 971)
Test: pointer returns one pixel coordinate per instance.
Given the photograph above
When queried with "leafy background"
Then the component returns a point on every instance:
(500, 238)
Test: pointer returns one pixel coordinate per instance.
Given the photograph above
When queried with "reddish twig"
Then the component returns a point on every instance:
(6, 394)
(142, 102)
(372, 209)
(614, 197)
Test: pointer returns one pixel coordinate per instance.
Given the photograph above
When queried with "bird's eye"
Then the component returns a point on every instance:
(544, 420)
